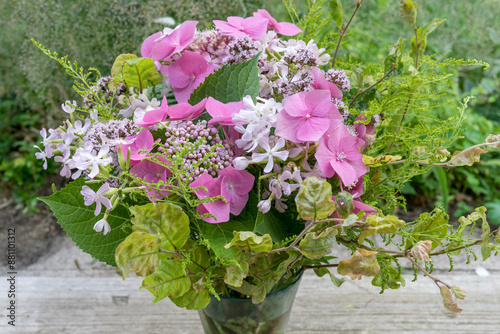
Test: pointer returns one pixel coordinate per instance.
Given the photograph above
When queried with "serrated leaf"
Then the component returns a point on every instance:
(230, 83)
(138, 253)
(379, 161)
(140, 72)
(315, 245)
(164, 220)
(78, 221)
(196, 298)
(344, 204)
(336, 12)
(448, 301)
(363, 263)
(315, 200)
(118, 64)
(169, 280)
(408, 10)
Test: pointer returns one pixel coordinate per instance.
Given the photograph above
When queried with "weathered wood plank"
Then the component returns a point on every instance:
(110, 305)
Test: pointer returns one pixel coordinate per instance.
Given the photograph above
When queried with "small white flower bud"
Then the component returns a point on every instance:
(240, 163)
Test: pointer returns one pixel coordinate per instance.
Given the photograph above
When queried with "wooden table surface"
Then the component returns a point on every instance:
(68, 292)
(109, 305)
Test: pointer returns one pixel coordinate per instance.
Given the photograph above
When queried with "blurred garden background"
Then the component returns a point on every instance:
(33, 87)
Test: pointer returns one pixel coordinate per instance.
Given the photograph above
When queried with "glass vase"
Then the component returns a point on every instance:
(241, 316)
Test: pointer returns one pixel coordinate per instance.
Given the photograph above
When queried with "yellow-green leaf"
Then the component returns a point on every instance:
(118, 64)
(169, 280)
(466, 157)
(138, 253)
(315, 200)
(380, 225)
(315, 245)
(251, 242)
(408, 10)
(448, 301)
(379, 161)
(363, 263)
(165, 220)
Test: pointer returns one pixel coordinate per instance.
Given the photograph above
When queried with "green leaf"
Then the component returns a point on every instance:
(363, 263)
(116, 70)
(408, 10)
(392, 61)
(320, 272)
(344, 204)
(336, 12)
(218, 235)
(78, 221)
(169, 280)
(422, 34)
(138, 253)
(196, 298)
(389, 278)
(164, 220)
(315, 246)
(250, 242)
(230, 83)
(271, 223)
(315, 200)
(430, 226)
(140, 72)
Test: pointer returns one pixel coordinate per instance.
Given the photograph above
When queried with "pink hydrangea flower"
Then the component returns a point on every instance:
(338, 154)
(235, 187)
(321, 83)
(142, 141)
(155, 116)
(222, 113)
(306, 116)
(236, 26)
(185, 111)
(163, 45)
(186, 73)
(152, 173)
(282, 28)
(218, 208)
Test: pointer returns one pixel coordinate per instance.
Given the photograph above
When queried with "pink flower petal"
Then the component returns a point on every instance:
(313, 129)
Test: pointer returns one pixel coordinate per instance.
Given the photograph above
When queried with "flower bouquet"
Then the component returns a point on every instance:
(226, 162)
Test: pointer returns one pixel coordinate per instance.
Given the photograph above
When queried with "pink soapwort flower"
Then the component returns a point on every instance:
(338, 154)
(236, 26)
(218, 208)
(235, 187)
(69, 107)
(282, 28)
(185, 111)
(90, 197)
(142, 141)
(186, 73)
(363, 129)
(152, 173)
(270, 153)
(155, 116)
(64, 159)
(163, 45)
(102, 225)
(222, 113)
(306, 116)
(321, 83)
